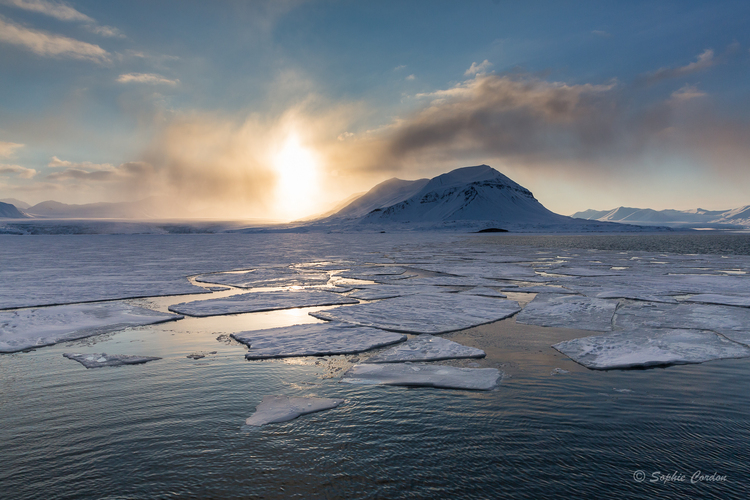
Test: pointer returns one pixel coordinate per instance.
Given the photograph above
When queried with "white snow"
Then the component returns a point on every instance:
(259, 301)
(103, 359)
(275, 409)
(434, 313)
(646, 347)
(418, 374)
(270, 277)
(732, 322)
(426, 348)
(26, 328)
(727, 300)
(316, 339)
(567, 311)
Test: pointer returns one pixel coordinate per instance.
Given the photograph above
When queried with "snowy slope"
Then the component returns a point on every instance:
(384, 194)
(10, 211)
(469, 193)
(21, 205)
(738, 216)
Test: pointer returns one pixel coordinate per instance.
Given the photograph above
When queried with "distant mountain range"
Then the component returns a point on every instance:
(739, 217)
(8, 210)
(142, 209)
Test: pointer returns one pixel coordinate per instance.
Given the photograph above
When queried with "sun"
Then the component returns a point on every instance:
(297, 179)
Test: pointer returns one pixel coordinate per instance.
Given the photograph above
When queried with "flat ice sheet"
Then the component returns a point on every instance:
(567, 311)
(260, 301)
(484, 291)
(25, 328)
(732, 322)
(271, 277)
(419, 374)
(538, 289)
(727, 300)
(426, 348)
(378, 292)
(103, 359)
(315, 339)
(427, 313)
(275, 409)
(644, 347)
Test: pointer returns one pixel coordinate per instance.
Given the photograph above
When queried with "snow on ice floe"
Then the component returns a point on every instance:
(103, 359)
(568, 311)
(484, 291)
(315, 339)
(428, 375)
(26, 328)
(538, 289)
(426, 348)
(482, 270)
(267, 277)
(259, 301)
(650, 347)
(426, 313)
(275, 409)
(378, 292)
(727, 300)
(731, 322)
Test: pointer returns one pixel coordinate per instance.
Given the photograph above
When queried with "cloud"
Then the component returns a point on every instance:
(58, 10)
(601, 33)
(23, 172)
(399, 67)
(411, 77)
(121, 172)
(150, 78)
(50, 45)
(106, 31)
(56, 162)
(8, 149)
(478, 69)
(687, 92)
(704, 61)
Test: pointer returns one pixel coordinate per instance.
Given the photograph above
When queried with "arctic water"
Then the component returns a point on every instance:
(172, 428)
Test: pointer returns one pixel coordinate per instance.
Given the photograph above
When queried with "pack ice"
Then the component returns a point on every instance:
(315, 339)
(260, 301)
(426, 348)
(425, 313)
(275, 409)
(103, 359)
(567, 311)
(419, 374)
(25, 328)
(650, 347)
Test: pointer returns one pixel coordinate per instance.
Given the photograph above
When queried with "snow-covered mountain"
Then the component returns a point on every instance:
(10, 211)
(21, 205)
(676, 218)
(466, 198)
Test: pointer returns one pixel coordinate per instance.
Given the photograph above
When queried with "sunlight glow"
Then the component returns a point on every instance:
(297, 189)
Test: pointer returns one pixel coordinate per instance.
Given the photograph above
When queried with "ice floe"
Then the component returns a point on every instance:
(260, 301)
(484, 291)
(426, 348)
(271, 277)
(419, 374)
(25, 328)
(378, 292)
(316, 339)
(567, 311)
(727, 300)
(426, 313)
(275, 409)
(103, 359)
(732, 322)
(647, 347)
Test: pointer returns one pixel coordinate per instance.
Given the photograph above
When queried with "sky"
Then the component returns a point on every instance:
(284, 109)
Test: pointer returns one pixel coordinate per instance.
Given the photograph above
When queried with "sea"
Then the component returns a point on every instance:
(173, 428)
